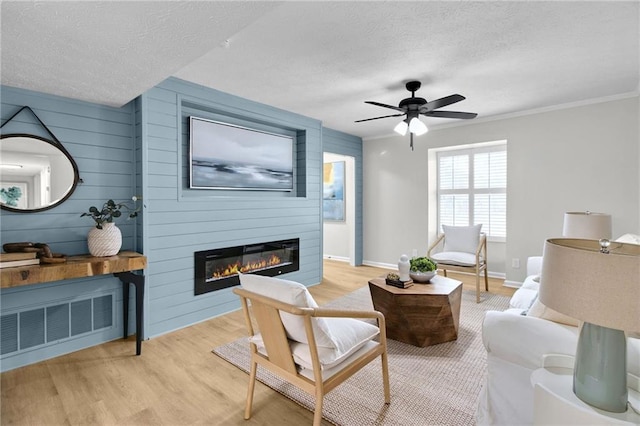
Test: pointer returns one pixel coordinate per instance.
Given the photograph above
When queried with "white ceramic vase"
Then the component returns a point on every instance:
(106, 241)
(403, 267)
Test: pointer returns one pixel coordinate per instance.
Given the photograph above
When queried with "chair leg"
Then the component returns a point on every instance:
(445, 272)
(252, 385)
(385, 379)
(477, 286)
(317, 414)
(486, 280)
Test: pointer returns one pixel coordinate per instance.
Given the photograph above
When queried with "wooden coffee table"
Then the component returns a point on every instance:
(421, 315)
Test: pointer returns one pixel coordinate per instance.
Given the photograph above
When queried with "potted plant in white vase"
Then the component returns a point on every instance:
(422, 269)
(105, 239)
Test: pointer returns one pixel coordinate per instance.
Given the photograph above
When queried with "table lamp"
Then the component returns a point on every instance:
(588, 225)
(597, 282)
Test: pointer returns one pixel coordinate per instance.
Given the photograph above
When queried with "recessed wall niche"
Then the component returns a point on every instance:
(248, 120)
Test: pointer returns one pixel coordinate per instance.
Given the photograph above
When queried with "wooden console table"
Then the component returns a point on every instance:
(120, 265)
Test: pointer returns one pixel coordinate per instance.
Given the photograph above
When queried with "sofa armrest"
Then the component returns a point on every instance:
(534, 265)
(525, 340)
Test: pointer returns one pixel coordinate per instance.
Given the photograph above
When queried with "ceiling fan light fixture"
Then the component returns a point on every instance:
(417, 127)
(401, 128)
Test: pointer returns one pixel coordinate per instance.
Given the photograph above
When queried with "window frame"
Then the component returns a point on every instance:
(471, 150)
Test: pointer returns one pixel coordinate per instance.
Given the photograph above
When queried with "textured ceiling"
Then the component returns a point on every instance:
(324, 59)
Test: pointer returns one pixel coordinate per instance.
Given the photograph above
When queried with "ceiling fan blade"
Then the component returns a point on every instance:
(451, 114)
(442, 102)
(385, 105)
(376, 118)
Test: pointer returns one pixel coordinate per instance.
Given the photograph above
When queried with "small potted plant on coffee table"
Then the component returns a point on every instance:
(422, 269)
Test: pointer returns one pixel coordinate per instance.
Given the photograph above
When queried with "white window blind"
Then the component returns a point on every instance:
(472, 189)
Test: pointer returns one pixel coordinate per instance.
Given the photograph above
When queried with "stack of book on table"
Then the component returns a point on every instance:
(10, 260)
(398, 283)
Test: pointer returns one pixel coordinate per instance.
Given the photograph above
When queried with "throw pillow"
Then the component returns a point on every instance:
(461, 238)
(629, 239)
(295, 294)
(539, 310)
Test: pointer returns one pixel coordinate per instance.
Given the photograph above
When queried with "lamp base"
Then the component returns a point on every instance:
(600, 372)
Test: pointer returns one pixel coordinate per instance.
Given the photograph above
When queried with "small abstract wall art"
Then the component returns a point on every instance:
(333, 191)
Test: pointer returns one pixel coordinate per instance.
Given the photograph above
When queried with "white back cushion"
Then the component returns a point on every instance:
(461, 238)
(295, 294)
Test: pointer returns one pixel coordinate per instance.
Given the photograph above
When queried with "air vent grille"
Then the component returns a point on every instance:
(55, 323)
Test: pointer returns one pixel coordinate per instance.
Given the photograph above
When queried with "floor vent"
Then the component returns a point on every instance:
(36, 327)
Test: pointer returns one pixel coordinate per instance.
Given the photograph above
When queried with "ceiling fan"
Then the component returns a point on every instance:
(413, 107)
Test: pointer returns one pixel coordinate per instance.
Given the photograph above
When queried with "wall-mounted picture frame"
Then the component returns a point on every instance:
(333, 191)
(14, 194)
(227, 156)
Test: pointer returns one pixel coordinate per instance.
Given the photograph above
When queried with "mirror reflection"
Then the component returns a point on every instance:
(35, 174)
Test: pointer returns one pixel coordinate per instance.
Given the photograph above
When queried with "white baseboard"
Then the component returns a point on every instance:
(498, 275)
(338, 258)
(512, 284)
(380, 265)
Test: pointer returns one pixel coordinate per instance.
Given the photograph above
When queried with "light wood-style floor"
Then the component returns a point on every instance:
(176, 380)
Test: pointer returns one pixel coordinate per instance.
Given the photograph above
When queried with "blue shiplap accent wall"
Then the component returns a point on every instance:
(100, 139)
(345, 144)
(180, 221)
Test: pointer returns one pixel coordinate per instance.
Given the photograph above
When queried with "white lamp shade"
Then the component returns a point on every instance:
(600, 288)
(401, 128)
(417, 127)
(587, 225)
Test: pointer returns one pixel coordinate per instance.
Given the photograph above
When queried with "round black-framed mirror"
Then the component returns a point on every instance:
(36, 173)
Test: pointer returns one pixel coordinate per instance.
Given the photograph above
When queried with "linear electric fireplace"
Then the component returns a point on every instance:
(217, 269)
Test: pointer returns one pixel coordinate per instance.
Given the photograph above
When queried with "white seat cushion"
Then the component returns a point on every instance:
(295, 294)
(455, 258)
(349, 335)
(328, 372)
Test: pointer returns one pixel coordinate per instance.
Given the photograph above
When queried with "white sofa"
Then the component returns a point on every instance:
(516, 342)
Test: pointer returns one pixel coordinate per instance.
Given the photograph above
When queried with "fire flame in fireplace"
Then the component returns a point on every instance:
(234, 268)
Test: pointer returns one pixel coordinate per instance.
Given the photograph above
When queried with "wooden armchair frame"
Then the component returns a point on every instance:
(279, 358)
(480, 265)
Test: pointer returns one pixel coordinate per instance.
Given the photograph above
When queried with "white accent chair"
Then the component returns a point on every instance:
(314, 349)
(462, 249)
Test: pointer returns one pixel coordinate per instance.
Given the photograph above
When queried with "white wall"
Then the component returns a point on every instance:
(578, 158)
(338, 237)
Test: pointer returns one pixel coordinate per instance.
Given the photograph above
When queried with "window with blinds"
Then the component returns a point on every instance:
(472, 188)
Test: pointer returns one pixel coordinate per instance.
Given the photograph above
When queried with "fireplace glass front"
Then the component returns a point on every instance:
(218, 268)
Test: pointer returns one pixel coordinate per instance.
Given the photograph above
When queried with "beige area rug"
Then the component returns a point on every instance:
(436, 385)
